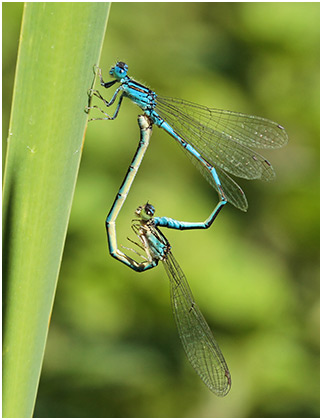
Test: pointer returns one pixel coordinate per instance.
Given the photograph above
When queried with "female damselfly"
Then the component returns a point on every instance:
(198, 341)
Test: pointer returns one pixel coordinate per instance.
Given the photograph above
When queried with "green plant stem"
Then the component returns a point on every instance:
(59, 44)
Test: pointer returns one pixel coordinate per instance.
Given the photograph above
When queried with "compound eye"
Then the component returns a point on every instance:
(119, 70)
(149, 209)
(122, 67)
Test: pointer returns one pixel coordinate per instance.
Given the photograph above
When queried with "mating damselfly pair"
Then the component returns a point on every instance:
(220, 143)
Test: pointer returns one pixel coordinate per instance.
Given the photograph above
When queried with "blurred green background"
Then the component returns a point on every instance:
(113, 349)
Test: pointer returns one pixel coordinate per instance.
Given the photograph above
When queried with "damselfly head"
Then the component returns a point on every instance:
(119, 70)
(145, 212)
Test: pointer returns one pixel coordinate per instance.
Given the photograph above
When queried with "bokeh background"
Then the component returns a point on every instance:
(113, 349)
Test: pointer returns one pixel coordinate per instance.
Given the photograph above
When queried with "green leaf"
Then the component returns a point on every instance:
(59, 44)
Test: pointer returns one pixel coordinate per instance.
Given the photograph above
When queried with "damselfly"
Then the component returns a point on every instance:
(218, 142)
(198, 341)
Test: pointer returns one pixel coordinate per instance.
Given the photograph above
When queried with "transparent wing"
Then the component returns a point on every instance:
(225, 138)
(198, 341)
(234, 194)
(248, 130)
